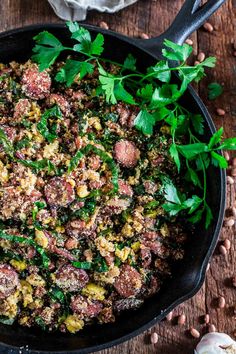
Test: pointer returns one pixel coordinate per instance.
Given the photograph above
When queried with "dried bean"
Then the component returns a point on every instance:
(229, 222)
(227, 244)
(169, 316)
(226, 155)
(144, 36)
(220, 112)
(206, 318)
(211, 328)
(154, 338)
(208, 27)
(182, 319)
(103, 25)
(194, 332)
(233, 172)
(196, 62)
(234, 281)
(230, 180)
(201, 57)
(234, 211)
(221, 302)
(189, 41)
(234, 162)
(223, 250)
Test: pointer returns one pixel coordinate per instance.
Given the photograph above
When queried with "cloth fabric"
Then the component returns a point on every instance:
(76, 10)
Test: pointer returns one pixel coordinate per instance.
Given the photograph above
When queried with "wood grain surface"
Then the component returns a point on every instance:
(152, 17)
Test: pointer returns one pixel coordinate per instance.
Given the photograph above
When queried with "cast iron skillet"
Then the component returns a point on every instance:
(189, 275)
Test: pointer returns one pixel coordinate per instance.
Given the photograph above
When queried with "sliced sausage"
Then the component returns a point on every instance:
(70, 278)
(8, 280)
(150, 187)
(59, 192)
(125, 188)
(126, 115)
(157, 248)
(150, 235)
(146, 257)
(21, 109)
(88, 308)
(64, 253)
(129, 282)
(126, 153)
(36, 84)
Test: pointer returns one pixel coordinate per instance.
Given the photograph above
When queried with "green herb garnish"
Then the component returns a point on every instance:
(49, 133)
(82, 265)
(27, 241)
(157, 98)
(105, 158)
(7, 146)
(214, 90)
(39, 165)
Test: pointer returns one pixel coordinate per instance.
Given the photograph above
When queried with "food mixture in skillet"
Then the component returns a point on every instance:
(83, 232)
(95, 214)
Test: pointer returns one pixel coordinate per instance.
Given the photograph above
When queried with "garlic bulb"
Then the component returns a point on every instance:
(216, 343)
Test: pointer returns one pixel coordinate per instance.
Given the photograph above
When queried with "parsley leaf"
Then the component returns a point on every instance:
(178, 202)
(46, 50)
(216, 138)
(145, 92)
(219, 160)
(210, 62)
(130, 63)
(209, 216)
(170, 192)
(214, 90)
(192, 175)
(122, 94)
(71, 69)
(161, 71)
(197, 122)
(191, 150)
(145, 122)
(164, 95)
(83, 36)
(228, 144)
(175, 155)
(177, 52)
(108, 83)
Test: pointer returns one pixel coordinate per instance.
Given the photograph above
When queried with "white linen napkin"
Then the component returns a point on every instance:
(76, 10)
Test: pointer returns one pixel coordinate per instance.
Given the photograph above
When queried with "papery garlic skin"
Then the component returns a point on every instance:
(216, 343)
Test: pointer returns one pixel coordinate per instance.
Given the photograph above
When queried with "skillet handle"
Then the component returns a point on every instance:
(191, 16)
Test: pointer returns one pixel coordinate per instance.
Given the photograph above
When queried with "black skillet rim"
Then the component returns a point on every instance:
(199, 281)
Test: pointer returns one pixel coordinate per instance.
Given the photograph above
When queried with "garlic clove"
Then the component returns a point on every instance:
(216, 343)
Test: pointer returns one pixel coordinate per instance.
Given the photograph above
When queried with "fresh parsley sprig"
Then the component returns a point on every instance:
(158, 99)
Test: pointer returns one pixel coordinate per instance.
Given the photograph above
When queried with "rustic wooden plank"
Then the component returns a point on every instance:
(220, 44)
(152, 17)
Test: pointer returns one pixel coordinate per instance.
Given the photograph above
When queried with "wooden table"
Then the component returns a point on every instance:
(152, 17)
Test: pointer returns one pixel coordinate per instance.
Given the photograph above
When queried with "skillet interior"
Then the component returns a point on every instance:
(187, 277)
